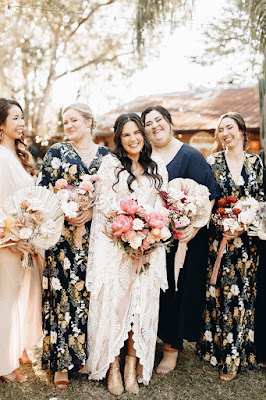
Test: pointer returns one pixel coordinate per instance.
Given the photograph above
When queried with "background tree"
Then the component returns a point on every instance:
(44, 41)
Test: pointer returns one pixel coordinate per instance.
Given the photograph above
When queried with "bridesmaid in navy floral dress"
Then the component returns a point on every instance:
(227, 337)
(65, 298)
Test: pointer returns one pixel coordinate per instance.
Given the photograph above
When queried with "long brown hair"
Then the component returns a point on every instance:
(21, 149)
(241, 125)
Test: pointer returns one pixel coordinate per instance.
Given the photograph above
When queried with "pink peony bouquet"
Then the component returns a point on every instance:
(75, 198)
(138, 232)
(31, 215)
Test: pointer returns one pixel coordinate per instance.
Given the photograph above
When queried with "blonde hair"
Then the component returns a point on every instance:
(85, 112)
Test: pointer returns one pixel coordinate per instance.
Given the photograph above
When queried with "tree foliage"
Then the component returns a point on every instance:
(41, 43)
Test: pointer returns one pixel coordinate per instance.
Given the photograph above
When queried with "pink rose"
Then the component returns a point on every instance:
(121, 224)
(60, 184)
(131, 207)
(155, 219)
(130, 235)
(86, 185)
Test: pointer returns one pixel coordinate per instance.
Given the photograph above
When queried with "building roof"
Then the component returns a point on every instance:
(194, 111)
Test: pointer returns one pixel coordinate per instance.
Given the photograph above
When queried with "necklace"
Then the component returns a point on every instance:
(86, 154)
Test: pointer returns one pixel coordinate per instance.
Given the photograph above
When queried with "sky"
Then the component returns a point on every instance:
(170, 71)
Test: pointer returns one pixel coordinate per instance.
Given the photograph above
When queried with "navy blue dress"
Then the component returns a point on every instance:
(260, 313)
(180, 312)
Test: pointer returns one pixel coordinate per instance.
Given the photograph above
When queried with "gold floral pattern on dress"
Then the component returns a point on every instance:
(65, 298)
(227, 334)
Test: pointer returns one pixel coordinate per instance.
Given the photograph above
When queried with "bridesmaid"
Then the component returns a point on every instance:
(180, 312)
(260, 318)
(227, 337)
(65, 298)
(20, 289)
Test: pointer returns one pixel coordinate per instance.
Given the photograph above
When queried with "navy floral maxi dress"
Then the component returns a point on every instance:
(65, 298)
(227, 334)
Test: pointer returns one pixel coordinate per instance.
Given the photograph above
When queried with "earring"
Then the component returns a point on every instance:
(1, 135)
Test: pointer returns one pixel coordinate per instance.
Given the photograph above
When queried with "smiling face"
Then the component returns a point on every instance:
(132, 140)
(229, 133)
(14, 124)
(75, 126)
(158, 129)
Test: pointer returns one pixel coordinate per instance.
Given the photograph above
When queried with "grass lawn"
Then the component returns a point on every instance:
(191, 380)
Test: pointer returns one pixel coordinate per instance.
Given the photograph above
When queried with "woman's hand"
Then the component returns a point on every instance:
(82, 218)
(188, 233)
(22, 247)
(229, 235)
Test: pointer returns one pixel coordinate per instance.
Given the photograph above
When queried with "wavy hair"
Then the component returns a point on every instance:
(20, 147)
(164, 113)
(150, 167)
(241, 125)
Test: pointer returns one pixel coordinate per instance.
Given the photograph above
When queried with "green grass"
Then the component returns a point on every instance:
(191, 380)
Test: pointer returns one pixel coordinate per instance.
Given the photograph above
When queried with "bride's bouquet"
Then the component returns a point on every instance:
(138, 232)
(188, 204)
(32, 215)
(233, 215)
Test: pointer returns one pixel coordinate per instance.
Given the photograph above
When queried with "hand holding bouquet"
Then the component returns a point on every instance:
(189, 205)
(74, 199)
(32, 215)
(137, 231)
(232, 216)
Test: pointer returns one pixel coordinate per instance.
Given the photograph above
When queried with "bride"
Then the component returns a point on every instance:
(20, 289)
(124, 306)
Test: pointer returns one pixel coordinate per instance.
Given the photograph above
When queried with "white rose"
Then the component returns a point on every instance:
(56, 284)
(184, 221)
(165, 233)
(230, 224)
(48, 227)
(56, 163)
(235, 290)
(138, 224)
(246, 217)
(136, 242)
(25, 233)
(70, 209)
(45, 282)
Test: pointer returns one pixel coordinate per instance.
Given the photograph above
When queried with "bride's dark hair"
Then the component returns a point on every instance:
(150, 167)
(21, 149)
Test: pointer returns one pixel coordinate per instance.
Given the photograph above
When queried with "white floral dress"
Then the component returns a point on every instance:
(117, 305)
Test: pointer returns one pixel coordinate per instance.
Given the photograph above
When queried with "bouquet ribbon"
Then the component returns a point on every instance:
(180, 256)
(137, 264)
(218, 261)
(80, 232)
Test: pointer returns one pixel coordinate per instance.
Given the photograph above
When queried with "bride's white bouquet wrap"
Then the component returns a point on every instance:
(34, 215)
(189, 205)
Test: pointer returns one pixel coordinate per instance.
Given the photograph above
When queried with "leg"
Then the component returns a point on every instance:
(61, 379)
(13, 377)
(115, 384)
(169, 360)
(130, 374)
(25, 358)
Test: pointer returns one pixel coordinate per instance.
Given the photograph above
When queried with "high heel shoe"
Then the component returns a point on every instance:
(115, 384)
(130, 377)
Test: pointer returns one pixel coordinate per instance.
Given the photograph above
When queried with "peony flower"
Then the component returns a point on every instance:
(121, 224)
(136, 242)
(230, 224)
(55, 163)
(131, 207)
(138, 224)
(25, 233)
(130, 235)
(63, 195)
(61, 184)
(155, 219)
(86, 185)
(70, 209)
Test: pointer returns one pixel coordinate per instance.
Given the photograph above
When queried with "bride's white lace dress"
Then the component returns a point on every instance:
(117, 305)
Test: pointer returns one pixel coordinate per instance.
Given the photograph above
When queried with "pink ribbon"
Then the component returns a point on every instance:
(218, 261)
(180, 256)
